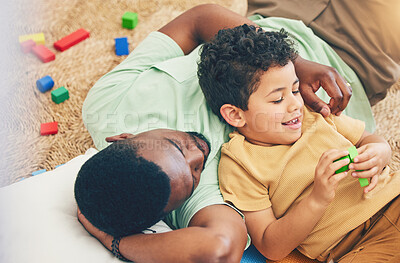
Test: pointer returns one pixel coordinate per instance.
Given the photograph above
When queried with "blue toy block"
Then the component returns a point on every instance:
(38, 172)
(121, 46)
(44, 84)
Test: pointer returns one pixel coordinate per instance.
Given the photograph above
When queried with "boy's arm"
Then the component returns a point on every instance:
(276, 238)
(202, 22)
(216, 234)
(374, 154)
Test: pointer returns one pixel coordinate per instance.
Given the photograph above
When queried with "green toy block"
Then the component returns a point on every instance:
(363, 182)
(352, 152)
(344, 168)
(59, 95)
(129, 20)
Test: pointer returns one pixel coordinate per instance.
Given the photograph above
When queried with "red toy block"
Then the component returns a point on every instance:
(27, 46)
(43, 53)
(72, 39)
(48, 128)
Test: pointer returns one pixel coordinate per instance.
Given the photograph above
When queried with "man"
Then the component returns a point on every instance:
(157, 87)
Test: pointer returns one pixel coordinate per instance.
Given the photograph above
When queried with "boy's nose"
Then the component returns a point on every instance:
(295, 104)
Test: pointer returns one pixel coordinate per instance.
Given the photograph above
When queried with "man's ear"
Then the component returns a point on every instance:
(232, 115)
(122, 136)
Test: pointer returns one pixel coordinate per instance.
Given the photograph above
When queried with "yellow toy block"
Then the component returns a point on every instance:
(38, 38)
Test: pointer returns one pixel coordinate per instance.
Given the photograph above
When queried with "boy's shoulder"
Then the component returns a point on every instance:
(236, 140)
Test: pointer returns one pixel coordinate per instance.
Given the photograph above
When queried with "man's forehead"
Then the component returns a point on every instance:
(157, 133)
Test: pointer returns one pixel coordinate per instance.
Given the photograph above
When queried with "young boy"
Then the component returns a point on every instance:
(279, 166)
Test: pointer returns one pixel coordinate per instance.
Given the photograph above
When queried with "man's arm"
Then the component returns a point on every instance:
(216, 234)
(200, 24)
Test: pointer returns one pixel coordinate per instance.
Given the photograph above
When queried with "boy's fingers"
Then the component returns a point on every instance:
(366, 173)
(372, 184)
(339, 164)
(336, 178)
(369, 163)
(363, 157)
(361, 154)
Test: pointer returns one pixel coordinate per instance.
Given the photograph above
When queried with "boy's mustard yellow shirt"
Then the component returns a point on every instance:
(254, 178)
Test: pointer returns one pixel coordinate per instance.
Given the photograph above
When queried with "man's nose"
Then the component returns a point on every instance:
(195, 158)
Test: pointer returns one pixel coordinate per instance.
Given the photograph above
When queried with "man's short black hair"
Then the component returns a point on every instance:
(232, 63)
(120, 192)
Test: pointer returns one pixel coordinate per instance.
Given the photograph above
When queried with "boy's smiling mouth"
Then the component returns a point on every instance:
(293, 123)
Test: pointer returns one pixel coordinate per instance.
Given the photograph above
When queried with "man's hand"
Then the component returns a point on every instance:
(312, 76)
(103, 237)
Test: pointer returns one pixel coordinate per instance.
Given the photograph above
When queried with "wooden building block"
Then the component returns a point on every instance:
(363, 182)
(38, 38)
(121, 46)
(48, 128)
(130, 20)
(352, 152)
(27, 46)
(43, 53)
(71, 40)
(44, 84)
(59, 95)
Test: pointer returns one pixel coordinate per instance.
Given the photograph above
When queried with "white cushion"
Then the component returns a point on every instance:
(38, 220)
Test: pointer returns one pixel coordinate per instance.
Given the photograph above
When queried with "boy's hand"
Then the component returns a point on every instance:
(325, 180)
(371, 160)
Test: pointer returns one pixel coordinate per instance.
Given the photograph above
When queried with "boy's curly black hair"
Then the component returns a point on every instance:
(232, 63)
(120, 192)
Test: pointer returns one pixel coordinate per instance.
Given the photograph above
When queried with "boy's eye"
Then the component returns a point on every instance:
(278, 101)
(296, 91)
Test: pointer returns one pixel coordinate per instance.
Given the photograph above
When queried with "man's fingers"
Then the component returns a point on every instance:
(335, 93)
(313, 101)
(338, 89)
(347, 91)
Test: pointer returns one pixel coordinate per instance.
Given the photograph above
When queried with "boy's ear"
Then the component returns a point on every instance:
(232, 115)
